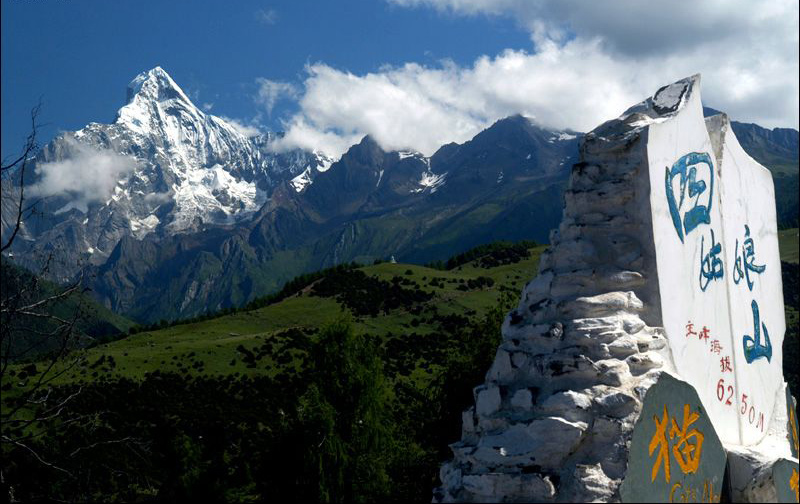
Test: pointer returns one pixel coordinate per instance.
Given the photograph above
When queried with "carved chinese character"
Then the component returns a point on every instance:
(691, 191)
(710, 263)
(659, 441)
(687, 453)
(753, 348)
(745, 263)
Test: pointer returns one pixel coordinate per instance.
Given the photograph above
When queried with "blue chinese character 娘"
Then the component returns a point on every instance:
(746, 263)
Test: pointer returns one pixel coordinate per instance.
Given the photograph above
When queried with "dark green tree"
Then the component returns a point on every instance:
(346, 418)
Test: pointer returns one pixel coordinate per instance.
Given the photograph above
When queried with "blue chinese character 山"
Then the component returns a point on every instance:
(753, 349)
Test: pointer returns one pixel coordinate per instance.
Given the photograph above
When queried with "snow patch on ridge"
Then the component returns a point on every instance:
(324, 161)
(430, 181)
(213, 195)
(141, 227)
(410, 154)
(301, 181)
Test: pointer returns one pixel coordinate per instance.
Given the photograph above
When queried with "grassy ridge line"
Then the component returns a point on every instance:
(214, 342)
(788, 243)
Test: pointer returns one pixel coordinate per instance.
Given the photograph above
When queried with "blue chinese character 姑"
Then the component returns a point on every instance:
(746, 263)
(710, 264)
(753, 349)
(686, 169)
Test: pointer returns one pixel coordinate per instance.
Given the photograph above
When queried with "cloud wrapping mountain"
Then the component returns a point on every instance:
(587, 61)
(88, 175)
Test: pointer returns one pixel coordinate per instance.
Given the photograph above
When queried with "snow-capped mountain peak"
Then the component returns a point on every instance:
(184, 169)
(152, 98)
(155, 85)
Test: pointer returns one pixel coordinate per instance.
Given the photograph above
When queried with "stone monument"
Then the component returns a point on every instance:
(664, 274)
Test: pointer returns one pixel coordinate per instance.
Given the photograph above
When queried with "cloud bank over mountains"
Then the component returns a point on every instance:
(587, 61)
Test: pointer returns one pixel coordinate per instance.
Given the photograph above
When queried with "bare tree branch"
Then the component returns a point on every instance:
(36, 455)
(30, 146)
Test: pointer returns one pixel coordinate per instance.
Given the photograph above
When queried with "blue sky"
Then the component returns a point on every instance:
(412, 73)
(79, 55)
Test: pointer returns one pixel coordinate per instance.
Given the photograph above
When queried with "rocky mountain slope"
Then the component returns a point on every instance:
(370, 204)
(779, 150)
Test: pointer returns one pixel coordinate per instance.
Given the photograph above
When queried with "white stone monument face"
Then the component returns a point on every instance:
(666, 262)
(714, 227)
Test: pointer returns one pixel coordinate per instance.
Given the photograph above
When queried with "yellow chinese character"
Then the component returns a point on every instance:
(793, 423)
(687, 454)
(708, 492)
(794, 484)
(660, 440)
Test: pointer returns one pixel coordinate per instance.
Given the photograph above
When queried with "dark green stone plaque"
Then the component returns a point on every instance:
(785, 475)
(675, 454)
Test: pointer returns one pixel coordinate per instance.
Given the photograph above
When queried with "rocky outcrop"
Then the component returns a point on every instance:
(553, 419)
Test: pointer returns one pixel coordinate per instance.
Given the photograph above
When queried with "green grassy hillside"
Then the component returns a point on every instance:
(93, 322)
(213, 346)
(284, 401)
(788, 242)
(234, 401)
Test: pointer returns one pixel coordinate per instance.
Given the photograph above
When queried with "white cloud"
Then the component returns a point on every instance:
(747, 51)
(208, 106)
(247, 129)
(589, 61)
(267, 16)
(88, 175)
(158, 198)
(270, 92)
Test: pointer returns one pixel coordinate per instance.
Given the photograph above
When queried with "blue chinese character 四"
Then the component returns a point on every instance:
(686, 169)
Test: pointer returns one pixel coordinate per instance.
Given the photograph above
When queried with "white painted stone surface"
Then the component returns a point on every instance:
(748, 199)
(737, 191)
